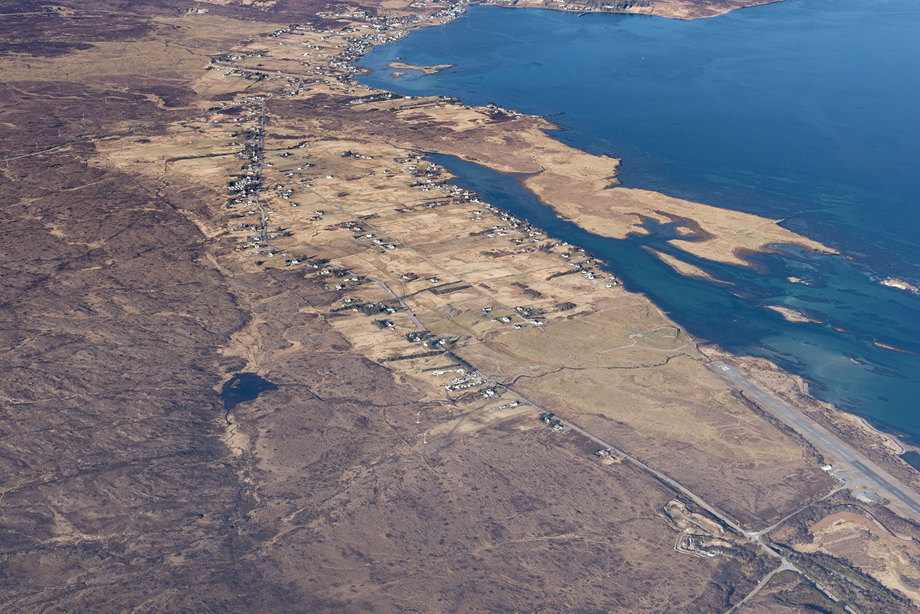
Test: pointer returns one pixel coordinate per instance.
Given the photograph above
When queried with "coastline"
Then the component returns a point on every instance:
(431, 367)
(897, 446)
(684, 268)
(672, 9)
(604, 219)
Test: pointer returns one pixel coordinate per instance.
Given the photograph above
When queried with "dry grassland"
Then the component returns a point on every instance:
(611, 358)
(148, 53)
(676, 417)
(684, 268)
(793, 315)
(793, 390)
(391, 468)
(573, 182)
(577, 184)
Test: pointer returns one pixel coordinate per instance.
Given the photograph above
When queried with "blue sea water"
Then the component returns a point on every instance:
(806, 110)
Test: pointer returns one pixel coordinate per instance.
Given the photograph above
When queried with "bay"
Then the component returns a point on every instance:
(802, 110)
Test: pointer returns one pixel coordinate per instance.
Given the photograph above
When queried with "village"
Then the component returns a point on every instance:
(295, 174)
(323, 191)
(424, 276)
(283, 341)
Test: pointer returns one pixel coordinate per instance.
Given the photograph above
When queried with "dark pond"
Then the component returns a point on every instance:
(244, 387)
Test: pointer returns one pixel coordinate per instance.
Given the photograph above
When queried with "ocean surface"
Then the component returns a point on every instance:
(805, 110)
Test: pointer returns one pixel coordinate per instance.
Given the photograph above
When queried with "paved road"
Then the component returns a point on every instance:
(383, 285)
(258, 185)
(826, 442)
(731, 522)
(784, 566)
(754, 537)
(888, 486)
(719, 514)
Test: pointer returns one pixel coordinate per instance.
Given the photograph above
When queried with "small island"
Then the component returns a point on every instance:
(793, 315)
(428, 70)
(900, 284)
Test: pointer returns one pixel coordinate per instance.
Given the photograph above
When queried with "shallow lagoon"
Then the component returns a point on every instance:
(799, 110)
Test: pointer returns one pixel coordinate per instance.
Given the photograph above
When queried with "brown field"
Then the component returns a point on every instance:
(843, 540)
(390, 469)
(673, 417)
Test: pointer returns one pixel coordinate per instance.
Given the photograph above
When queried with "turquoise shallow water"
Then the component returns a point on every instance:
(805, 110)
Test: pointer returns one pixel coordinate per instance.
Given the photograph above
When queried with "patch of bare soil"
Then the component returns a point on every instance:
(842, 543)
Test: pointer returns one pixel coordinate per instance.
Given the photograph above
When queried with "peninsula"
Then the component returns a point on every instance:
(446, 409)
